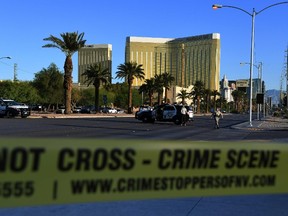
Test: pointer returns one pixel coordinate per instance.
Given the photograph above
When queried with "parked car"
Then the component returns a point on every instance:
(88, 109)
(146, 115)
(165, 112)
(60, 110)
(76, 109)
(109, 110)
(120, 111)
(36, 107)
(11, 108)
(143, 108)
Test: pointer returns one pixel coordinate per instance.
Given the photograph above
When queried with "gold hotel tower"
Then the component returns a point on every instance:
(91, 54)
(188, 59)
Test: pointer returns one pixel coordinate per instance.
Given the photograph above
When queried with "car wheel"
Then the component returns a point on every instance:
(177, 121)
(145, 119)
(8, 114)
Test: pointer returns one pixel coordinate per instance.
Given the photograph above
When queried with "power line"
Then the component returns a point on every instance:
(17, 68)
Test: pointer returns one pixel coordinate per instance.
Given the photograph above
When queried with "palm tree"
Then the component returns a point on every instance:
(159, 85)
(183, 94)
(223, 102)
(168, 80)
(215, 93)
(238, 97)
(70, 43)
(148, 87)
(207, 93)
(129, 71)
(197, 92)
(96, 75)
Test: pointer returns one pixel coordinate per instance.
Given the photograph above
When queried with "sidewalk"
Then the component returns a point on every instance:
(268, 123)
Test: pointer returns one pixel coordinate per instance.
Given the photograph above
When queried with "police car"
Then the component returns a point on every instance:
(169, 112)
(11, 108)
(165, 112)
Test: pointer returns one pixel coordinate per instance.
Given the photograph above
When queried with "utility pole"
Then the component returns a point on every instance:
(15, 72)
(281, 89)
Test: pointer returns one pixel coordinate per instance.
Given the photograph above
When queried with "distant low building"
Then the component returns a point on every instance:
(227, 87)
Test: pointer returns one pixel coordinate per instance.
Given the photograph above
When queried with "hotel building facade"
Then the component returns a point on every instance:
(188, 59)
(91, 54)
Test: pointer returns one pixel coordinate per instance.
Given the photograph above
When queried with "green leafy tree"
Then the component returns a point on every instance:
(97, 76)
(49, 84)
(129, 71)
(26, 92)
(136, 97)
(120, 90)
(19, 91)
(69, 43)
(8, 90)
(76, 96)
(87, 97)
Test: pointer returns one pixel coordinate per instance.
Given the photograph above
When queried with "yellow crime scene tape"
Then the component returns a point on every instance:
(61, 171)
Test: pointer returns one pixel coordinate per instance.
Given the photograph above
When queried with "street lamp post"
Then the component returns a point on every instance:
(253, 15)
(259, 87)
(7, 57)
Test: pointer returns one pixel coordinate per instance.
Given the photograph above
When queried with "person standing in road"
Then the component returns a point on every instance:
(217, 115)
(183, 116)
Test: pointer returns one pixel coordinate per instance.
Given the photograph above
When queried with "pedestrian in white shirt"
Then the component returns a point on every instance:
(183, 116)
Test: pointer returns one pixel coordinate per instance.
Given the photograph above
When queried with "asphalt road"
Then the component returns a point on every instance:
(129, 128)
(202, 128)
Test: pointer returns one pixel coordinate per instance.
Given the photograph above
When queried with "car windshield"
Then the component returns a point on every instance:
(11, 103)
(145, 108)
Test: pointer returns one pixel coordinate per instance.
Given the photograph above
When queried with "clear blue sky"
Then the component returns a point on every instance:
(24, 24)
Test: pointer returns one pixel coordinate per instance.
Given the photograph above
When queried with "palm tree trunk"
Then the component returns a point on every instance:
(97, 98)
(130, 98)
(150, 99)
(160, 93)
(198, 104)
(207, 103)
(68, 68)
(166, 94)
